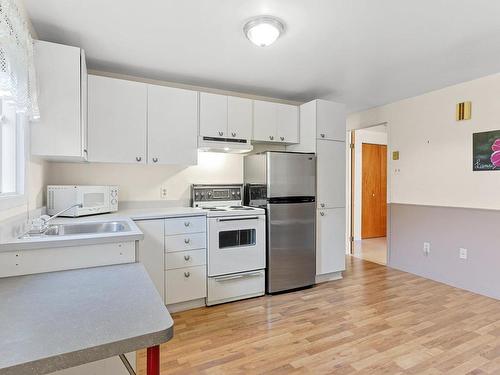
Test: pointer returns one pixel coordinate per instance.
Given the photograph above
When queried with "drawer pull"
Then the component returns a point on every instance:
(187, 257)
(235, 277)
(322, 205)
(187, 241)
(187, 274)
(322, 135)
(282, 138)
(187, 223)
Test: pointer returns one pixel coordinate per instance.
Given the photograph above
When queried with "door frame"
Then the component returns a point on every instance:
(350, 185)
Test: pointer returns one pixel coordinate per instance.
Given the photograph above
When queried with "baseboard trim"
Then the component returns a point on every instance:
(328, 277)
(188, 305)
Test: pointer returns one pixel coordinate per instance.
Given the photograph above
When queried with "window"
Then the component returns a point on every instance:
(11, 151)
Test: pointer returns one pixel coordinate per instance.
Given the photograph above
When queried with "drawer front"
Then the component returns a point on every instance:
(183, 242)
(238, 286)
(192, 224)
(182, 259)
(185, 284)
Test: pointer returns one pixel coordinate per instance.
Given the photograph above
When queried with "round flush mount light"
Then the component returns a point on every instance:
(263, 30)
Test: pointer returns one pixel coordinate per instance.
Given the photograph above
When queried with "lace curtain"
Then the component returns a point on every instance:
(17, 70)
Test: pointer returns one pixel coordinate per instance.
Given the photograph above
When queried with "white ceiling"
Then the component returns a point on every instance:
(360, 52)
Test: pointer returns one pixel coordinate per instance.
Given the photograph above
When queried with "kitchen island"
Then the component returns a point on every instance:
(57, 320)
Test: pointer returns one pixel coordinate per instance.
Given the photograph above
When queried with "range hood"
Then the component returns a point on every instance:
(227, 145)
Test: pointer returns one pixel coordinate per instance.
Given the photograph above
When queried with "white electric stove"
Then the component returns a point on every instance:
(236, 243)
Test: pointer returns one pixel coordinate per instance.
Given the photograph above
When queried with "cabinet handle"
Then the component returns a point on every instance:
(138, 158)
(322, 205)
(233, 134)
(155, 160)
(187, 257)
(187, 240)
(322, 135)
(221, 134)
(187, 223)
(271, 137)
(282, 138)
(187, 274)
(322, 213)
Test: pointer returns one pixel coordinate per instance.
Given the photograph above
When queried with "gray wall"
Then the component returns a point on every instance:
(447, 229)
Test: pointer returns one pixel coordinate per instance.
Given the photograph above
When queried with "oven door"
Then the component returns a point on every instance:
(236, 244)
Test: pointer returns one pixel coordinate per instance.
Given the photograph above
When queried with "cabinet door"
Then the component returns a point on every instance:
(213, 115)
(172, 126)
(239, 117)
(151, 252)
(331, 172)
(59, 131)
(264, 121)
(287, 123)
(330, 120)
(117, 120)
(330, 241)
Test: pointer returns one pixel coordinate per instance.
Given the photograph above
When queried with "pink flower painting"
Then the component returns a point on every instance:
(495, 156)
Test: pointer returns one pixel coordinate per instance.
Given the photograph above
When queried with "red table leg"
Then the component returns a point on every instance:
(153, 360)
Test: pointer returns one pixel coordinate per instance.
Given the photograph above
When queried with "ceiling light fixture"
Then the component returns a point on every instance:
(263, 30)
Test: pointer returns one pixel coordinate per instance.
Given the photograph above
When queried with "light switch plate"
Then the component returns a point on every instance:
(395, 155)
(462, 253)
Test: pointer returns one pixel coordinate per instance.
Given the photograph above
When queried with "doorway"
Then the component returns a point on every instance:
(369, 194)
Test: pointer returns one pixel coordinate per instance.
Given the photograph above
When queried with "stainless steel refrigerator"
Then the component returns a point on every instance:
(284, 183)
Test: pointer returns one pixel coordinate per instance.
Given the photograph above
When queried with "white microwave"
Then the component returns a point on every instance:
(94, 199)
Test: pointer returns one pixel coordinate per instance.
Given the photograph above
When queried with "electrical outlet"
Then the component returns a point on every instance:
(427, 248)
(462, 253)
(163, 192)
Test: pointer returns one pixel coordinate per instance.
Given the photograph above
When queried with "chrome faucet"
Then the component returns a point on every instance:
(40, 225)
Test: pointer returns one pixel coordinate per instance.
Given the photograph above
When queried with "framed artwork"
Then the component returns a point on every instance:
(486, 151)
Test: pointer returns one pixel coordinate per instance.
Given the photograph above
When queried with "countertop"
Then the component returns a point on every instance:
(58, 320)
(128, 215)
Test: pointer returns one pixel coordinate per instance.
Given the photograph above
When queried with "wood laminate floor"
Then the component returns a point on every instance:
(371, 249)
(374, 321)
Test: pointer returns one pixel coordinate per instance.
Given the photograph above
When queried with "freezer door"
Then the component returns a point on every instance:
(291, 249)
(291, 175)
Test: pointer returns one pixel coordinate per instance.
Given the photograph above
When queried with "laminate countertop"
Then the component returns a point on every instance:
(57, 320)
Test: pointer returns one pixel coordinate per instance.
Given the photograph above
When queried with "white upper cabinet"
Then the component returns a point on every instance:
(239, 118)
(330, 120)
(117, 120)
(331, 174)
(224, 116)
(213, 115)
(264, 121)
(287, 123)
(61, 132)
(172, 126)
(275, 122)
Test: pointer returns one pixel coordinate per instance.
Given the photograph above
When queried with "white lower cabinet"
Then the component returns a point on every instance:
(185, 259)
(174, 252)
(330, 241)
(186, 284)
(151, 251)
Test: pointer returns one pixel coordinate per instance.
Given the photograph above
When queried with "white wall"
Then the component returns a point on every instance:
(435, 150)
(144, 182)
(374, 136)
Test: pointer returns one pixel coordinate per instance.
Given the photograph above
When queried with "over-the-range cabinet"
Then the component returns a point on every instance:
(323, 131)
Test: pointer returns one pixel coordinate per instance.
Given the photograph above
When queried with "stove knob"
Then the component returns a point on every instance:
(197, 194)
(233, 193)
(202, 194)
(238, 192)
(209, 194)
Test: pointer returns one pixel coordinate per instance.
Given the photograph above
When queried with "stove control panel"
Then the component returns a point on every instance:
(216, 193)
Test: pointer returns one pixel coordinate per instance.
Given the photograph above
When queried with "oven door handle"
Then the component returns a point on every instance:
(240, 218)
(235, 277)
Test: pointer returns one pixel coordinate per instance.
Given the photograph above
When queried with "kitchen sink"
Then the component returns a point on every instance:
(87, 228)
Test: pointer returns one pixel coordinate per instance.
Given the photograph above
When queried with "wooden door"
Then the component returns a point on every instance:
(374, 191)
(172, 126)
